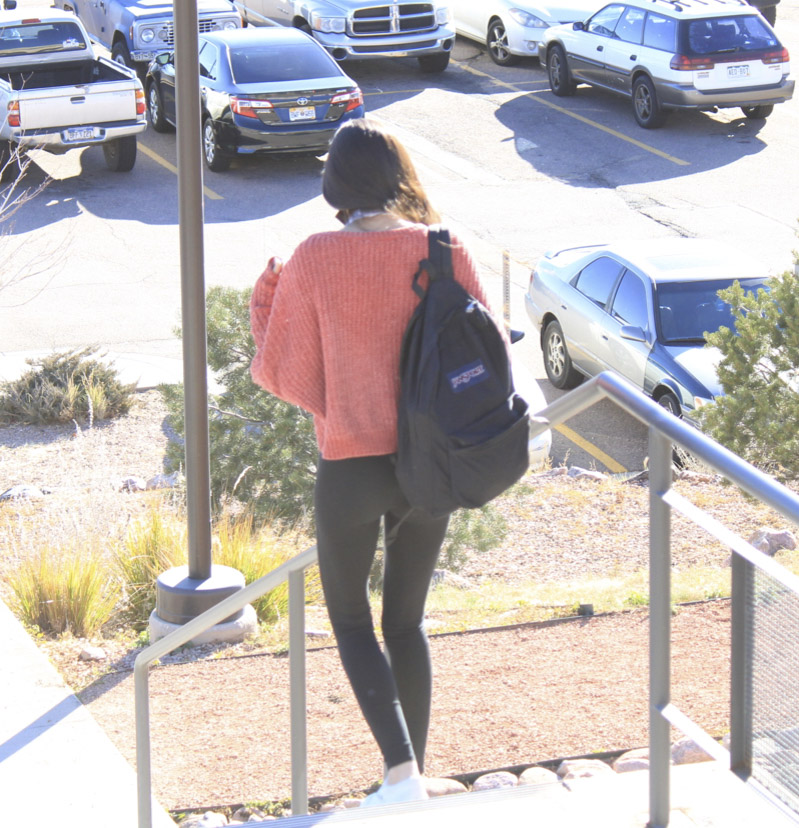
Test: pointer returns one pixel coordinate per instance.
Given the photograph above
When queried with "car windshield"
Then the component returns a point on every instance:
(280, 62)
(35, 38)
(689, 310)
(728, 35)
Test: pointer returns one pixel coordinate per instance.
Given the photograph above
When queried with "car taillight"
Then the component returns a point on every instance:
(13, 113)
(141, 107)
(683, 63)
(248, 107)
(777, 56)
(353, 99)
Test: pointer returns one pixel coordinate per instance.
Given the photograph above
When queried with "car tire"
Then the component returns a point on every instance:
(557, 362)
(758, 112)
(560, 81)
(647, 110)
(497, 44)
(215, 158)
(668, 401)
(433, 64)
(120, 154)
(121, 54)
(155, 108)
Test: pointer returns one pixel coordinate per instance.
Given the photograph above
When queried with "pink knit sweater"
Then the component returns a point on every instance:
(328, 332)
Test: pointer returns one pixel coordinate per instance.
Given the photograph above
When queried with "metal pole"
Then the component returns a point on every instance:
(298, 709)
(741, 667)
(190, 213)
(506, 288)
(660, 454)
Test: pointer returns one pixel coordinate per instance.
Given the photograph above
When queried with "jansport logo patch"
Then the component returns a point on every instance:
(467, 376)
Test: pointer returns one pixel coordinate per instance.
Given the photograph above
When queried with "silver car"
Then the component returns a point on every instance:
(641, 309)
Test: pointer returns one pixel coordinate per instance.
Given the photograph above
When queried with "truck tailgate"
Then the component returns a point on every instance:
(63, 106)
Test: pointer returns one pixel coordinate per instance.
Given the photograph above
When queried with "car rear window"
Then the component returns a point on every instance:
(281, 62)
(720, 35)
(38, 38)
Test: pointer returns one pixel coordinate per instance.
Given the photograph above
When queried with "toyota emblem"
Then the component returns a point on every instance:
(302, 101)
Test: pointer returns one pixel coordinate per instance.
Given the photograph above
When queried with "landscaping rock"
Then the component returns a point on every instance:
(582, 768)
(770, 541)
(495, 781)
(686, 751)
(537, 776)
(437, 786)
(633, 760)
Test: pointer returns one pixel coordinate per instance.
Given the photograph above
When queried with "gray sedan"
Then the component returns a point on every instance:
(641, 309)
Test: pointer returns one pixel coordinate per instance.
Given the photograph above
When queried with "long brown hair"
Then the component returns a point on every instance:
(367, 168)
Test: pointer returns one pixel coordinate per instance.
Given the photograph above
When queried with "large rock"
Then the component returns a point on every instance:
(494, 781)
(770, 541)
(439, 786)
(632, 760)
(686, 751)
(537, 776)
(582, 768)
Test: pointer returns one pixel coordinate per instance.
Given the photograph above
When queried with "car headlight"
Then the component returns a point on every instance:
(230, 24)
(334, 25)
(443, 15)
(147, 35)
(524, 18)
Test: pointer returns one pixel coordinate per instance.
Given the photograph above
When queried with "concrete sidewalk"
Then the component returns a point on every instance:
(57, 766)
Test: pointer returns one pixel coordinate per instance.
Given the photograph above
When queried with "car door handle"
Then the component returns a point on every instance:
(600, 48)
(633, 57)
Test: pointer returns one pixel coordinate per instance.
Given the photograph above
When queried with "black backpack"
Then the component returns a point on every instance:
(463, 431)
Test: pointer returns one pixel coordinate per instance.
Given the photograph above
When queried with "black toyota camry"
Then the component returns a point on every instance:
(264, 89)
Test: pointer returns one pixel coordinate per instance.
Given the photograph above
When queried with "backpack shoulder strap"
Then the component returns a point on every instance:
(438, 264)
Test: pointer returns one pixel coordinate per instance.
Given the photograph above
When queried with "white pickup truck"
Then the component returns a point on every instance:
(57, 94)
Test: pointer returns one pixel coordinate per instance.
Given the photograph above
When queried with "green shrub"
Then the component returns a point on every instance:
(152, 545)
(263, 451)
(758, 416)
(63, 387)
(256, 553)
(64, 591)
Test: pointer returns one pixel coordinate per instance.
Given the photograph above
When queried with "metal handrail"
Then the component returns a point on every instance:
(293, 571)
(665, 431)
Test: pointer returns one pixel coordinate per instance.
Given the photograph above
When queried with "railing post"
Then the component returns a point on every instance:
(298, 707)
(141, 701)
(741, 667)
(660, 459)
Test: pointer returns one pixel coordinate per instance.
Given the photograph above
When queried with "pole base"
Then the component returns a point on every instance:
(228, 631)
(179, 598)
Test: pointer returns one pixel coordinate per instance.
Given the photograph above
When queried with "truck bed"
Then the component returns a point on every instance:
(76, 73)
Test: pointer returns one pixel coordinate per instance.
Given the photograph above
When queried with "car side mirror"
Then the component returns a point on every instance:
(578, 26)
(632, 332)
(163, 58)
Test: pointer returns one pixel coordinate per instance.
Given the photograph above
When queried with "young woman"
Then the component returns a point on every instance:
(328, 327)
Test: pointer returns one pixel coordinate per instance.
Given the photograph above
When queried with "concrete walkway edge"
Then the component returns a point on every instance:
(56, 762)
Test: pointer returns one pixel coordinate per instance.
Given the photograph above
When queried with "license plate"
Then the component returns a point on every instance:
(80, 134)
(738, 71)
(302, 113)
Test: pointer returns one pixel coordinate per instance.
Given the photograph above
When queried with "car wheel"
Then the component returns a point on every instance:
(668, 401)
(648, 112)
(756, 112)
(497, 43)
(558, 364)
(155, 108)
(215, 159)
(560, 81)
(121, 54)
(120, 154)
(432, 64)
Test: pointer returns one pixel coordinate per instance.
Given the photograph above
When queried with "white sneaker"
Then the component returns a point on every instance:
(409, 790)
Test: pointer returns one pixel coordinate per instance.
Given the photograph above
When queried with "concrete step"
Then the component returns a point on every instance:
(704, 795)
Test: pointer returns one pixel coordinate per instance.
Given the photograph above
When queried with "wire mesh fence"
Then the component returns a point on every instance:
(774, 651)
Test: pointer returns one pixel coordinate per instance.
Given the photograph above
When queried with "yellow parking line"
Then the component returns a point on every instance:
(640, 144)
(173, 169)
(591, 449)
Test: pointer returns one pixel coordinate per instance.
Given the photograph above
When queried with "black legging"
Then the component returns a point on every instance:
(394, 690)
